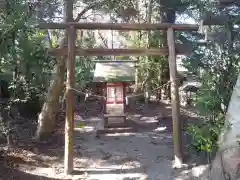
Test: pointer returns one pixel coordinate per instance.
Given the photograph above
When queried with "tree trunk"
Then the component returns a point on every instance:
(46, 119)
(136, 79)
(226, 164)
(6, 122)
(139, 35)
(149, 20)
(167, 15)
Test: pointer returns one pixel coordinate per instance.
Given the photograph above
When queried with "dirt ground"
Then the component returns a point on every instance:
(141, 150)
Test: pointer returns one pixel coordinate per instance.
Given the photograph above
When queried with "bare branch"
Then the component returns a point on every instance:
(230, 2)
(49, 38)
(81, 37)
(103, 39)
(86, 9)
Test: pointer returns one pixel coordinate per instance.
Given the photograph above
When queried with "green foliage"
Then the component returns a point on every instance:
(217, 66)
(24, 60)
(84, 70)
(212, 102)
(23, 57)
(205, 135)
(85, 65)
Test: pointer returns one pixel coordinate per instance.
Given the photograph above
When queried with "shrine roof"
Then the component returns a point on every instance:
(114, 72)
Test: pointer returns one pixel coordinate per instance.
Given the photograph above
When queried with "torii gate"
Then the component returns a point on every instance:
(71, 51)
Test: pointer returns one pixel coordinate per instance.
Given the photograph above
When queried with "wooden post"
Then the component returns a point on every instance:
(70, 102)
(177, 125)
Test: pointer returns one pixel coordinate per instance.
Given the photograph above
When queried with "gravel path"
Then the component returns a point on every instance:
(142, 150)
(135, 152)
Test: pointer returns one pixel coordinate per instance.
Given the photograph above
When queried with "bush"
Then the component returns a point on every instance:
(212, 102)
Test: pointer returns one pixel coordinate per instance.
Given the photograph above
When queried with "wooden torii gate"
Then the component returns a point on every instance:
(71, 51)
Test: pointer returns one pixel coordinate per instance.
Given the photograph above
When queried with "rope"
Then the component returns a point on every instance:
(104, 97)
(129, 96)
(86, 94)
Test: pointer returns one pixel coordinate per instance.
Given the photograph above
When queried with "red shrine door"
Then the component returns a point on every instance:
(115, 98)
(115, 93)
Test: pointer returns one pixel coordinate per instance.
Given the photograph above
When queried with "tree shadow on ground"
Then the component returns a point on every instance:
(141, 118)
(10, 173)
(151, 116)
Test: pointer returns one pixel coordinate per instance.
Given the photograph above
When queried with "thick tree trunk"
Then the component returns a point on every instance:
(46, 119)
(226, 164)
